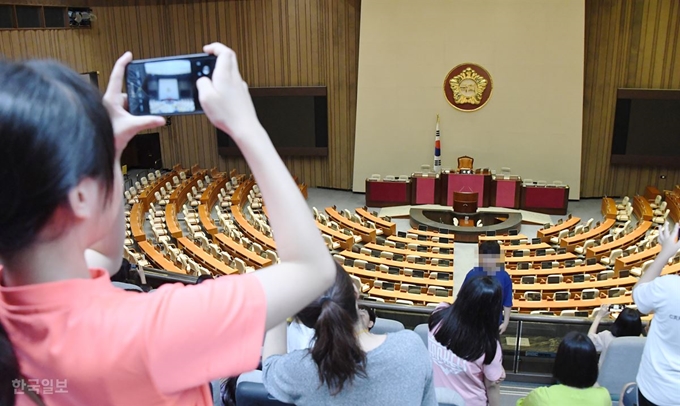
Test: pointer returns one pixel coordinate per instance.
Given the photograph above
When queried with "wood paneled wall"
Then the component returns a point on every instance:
(633, 44)
(279, 43)
(315, 42)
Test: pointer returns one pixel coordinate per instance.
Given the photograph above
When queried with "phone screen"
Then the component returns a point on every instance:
(167, 86)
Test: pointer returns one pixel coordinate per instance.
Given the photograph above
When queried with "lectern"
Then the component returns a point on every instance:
(465, 202)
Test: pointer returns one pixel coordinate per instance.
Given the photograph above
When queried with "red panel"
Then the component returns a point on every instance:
(544, 197)
(388, 192)
(506, 193)
(465, 183)
(424, 190)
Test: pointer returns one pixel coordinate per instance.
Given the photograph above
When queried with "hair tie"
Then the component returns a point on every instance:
(323, 300)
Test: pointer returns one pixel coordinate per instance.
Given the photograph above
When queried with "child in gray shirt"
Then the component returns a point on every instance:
(347, 365)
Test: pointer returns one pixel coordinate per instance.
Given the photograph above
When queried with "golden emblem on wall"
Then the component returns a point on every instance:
(468, 87)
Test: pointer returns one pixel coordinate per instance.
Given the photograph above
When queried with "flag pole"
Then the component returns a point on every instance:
(437, 150)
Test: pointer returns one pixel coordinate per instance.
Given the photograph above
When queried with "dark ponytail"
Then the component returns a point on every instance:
(9, 369)
(336, 351)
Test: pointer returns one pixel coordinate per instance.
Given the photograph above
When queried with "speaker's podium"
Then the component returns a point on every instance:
(452, 182)
(465, 202)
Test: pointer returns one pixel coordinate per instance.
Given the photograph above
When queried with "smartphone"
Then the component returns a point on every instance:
(167, 86)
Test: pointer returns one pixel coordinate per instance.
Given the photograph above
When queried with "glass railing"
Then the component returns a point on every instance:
(529, 343)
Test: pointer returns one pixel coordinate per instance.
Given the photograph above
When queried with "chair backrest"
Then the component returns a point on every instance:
(465, 162)
(629, 394)
(619, 364)
(255, 394)
(135, 288)
(422, 330)
(383, 326)
(527, 280)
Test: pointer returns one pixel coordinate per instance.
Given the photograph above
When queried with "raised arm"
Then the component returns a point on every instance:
(604, 311)
(306, 269)
(669, 246)
(108, 252)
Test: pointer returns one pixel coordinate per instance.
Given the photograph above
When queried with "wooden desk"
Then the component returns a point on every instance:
(570, 243)
(545, 199)
(609, 209)
(206, 220)
(137, 222)
(405, 240)
(366, 275)
(513, 261)
(211, 193)
(247, 228)
(158, 259)
(623, 242)
(509, 249)
(516, 274)
(431, 234)
(388, 228)
(346, 241)
(651, 192)
(179, 195)
(366, 234)
(171, 221)
(506, 193)
(673, 204)
(405, 252)
(635, 259)
(204, 258)
(397, 264)
(387, 193)
(391, 294)
(554, 287)
(238, 250)
(500, 238)
(148, 195)
(425, 189)
(546, 233)
(473, 182)
(574, 304)
(642, 208)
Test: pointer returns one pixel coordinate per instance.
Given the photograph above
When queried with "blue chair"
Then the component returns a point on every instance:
(629, 395)
(422, 330)
(619, 364)
(254, 394)
(384, 326)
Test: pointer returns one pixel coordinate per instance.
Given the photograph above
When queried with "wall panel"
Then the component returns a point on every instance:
(279, 43)
(633, 44)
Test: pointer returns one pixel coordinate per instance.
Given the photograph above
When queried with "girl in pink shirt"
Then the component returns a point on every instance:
(69, 336)
(464, 345)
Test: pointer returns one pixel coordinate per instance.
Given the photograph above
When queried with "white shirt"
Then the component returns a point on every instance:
(300, 337)
(659, 374)
(602, 340)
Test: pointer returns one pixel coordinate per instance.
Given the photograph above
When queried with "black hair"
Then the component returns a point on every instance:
(333, 317)
(54, 132)
(469, 327)
(627, 324)
(371, 315)
(490, 247)
(576, 361)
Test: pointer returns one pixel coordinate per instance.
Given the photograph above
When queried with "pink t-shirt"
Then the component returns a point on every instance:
(464, 377)
(114, 347)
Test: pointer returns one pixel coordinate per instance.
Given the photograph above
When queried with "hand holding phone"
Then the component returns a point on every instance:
(225, 98)
(167, 86)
